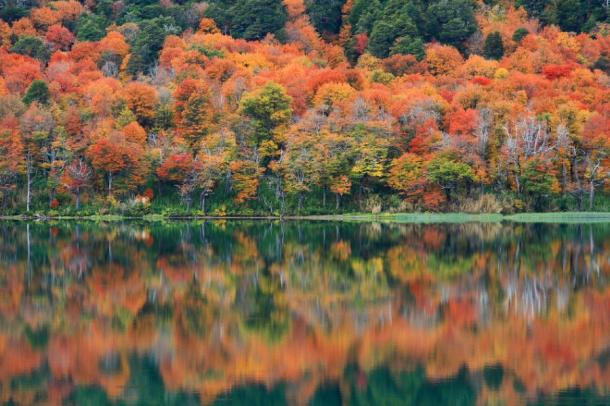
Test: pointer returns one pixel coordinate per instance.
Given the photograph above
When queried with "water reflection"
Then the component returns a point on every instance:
(303, 313)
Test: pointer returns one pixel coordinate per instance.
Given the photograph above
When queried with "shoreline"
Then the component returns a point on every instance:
(398, 218)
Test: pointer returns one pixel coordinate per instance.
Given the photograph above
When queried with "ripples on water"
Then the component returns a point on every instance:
(304, 313)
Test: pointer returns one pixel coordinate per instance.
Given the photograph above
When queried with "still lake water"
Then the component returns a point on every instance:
(257, 312)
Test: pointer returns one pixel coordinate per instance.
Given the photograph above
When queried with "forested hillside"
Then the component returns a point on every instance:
(303, 106)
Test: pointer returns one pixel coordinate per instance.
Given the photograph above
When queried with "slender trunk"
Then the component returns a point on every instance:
(324, 197)
(564, 178)
(591, 193)
(337, 201)
(203, 195)
(578, 184)
(49, 174)
(109, 184)
(78, 199)
(29, 181)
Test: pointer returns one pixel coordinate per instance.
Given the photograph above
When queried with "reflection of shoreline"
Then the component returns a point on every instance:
(573, 217)
(219, 304)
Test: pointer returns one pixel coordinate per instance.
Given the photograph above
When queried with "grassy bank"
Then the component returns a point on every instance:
(555, 217)
(424, 218)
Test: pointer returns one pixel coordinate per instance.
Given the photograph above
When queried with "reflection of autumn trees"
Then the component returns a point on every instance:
(212, 307)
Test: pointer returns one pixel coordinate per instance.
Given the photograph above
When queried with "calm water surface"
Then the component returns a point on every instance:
(304, 313)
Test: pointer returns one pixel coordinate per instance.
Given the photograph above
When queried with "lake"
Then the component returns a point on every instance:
(271, 313)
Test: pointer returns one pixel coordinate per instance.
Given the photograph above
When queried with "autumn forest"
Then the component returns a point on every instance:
(271, 107)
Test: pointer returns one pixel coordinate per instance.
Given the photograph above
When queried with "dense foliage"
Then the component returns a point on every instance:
(269, 107)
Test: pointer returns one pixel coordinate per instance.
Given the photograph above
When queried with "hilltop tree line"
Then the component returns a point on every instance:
(261, 106)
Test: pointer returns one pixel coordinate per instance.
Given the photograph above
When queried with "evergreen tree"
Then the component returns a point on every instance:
(31, 46)
(535, 8)
(91, 27)
(408, 45)
(603, 64)
(37, 92)
(519, 34)
(382, 37)
(249, 19)
(493, 47)
(325, 15)
(569, 15)
(149, 42)
(11, 13)
(452, 21)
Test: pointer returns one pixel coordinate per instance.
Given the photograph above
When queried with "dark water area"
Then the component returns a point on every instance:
(322, 313)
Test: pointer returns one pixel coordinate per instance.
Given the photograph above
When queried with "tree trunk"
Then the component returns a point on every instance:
(591, 193)
(109, 184)
(579, 198)
(78, 199)
(29, 182)
(564, 178)
(337, 201)
(203, 195)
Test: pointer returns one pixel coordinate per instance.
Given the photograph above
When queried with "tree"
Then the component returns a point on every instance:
(114, 155)
(181, 169)
(371, 147)
(409, 46)
(210, 170)
(44, 17)
(31, 46)
(268, 108)
(250, 19)
(37, 125)
(37, 92)
(325, 15)
(192, 110)
(407, 176)
(449, 174)
(603, 64)
(245, 179)
(142, 100)
(12, 164)
(336, 154)
(568, 14)
(91, 27)
(535, 8)
(301, 166)
(493, 48)
(451, 21)
(519, 34)
(11, 13)
(149, 42)
(382, 38)
(60, 37)
(76, 177)
(442, 59)
(538, 182)
(114, 43)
